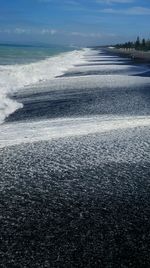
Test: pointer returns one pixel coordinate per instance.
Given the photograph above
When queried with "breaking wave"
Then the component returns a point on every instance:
(15, 77)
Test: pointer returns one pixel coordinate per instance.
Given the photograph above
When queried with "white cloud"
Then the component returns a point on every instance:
(44, 31)
(15, 30)
(115, 1)
(69, 2)
(128, 11)
(22, 31)
(45, 1)
(139, 11)
(48, 31)
(92, 35)
(85, 34)
(8, 31)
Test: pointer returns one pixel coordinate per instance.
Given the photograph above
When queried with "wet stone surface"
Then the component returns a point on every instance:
(68, 204)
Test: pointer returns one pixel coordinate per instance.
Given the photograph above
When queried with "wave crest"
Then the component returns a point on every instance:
(15, 77)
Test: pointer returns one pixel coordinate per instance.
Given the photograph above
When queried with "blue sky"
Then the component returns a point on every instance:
(74, 22)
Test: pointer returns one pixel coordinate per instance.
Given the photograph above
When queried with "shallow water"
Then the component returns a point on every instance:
(13, 77)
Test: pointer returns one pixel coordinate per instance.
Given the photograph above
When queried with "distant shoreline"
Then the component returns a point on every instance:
(138, 55)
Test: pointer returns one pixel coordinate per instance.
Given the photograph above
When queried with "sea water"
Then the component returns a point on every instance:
(25, 65)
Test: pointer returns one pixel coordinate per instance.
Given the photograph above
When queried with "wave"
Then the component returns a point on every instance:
(45, 130)
(15, 77)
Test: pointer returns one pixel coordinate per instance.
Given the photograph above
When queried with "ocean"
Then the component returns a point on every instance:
(74, 158)
(25, 65)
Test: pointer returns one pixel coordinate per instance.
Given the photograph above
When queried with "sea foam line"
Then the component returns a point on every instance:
(28, 132)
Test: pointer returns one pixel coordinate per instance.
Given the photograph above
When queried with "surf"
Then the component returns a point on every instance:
(17, 76)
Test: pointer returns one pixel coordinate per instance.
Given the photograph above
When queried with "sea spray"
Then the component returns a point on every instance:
(15, 77)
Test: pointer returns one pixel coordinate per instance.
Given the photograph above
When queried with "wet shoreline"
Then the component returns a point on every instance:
(80, 199)
(134, 55)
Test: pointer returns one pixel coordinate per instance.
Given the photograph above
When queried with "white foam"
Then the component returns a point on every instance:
(28, 132)
(88, 82)
(127, 69)
(7, 106)
(104, 62)
(14, 77)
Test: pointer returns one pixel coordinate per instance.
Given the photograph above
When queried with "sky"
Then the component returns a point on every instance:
(74, 22)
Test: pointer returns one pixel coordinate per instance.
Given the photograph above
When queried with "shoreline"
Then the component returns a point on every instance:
(75, 169)
(136, 55)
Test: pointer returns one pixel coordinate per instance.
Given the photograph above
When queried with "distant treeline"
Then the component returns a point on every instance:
(139, 44)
